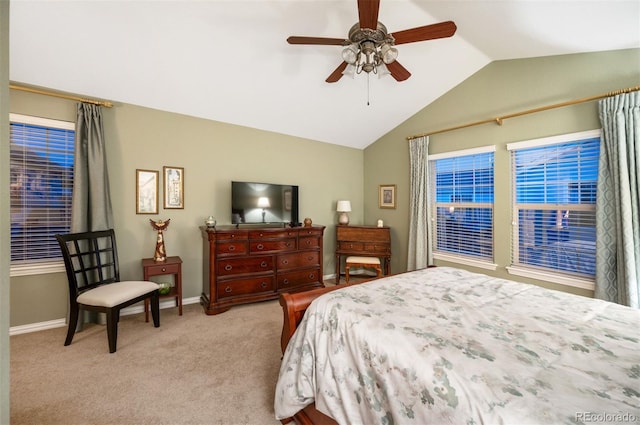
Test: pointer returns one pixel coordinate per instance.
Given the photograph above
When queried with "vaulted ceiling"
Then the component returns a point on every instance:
(228, 60)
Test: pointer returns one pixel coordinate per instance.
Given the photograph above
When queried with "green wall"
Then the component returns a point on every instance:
(212, 154)
(500, 88)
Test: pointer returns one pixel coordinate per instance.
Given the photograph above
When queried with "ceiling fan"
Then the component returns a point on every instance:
(369, 47)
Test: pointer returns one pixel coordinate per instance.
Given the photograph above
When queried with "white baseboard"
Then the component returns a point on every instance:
(60, 323)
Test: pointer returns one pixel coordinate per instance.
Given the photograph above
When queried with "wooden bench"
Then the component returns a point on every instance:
(364, 262)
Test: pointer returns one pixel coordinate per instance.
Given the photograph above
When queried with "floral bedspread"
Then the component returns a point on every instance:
(447, 346)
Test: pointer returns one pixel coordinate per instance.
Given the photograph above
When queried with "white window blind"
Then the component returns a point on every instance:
(463, 204)
(41, 184)
(554, 205)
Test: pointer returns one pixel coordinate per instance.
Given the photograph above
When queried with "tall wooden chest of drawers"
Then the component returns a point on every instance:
(244, 265)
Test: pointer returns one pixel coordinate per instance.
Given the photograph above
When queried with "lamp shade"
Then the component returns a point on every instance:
(263, 202)
(344, 206)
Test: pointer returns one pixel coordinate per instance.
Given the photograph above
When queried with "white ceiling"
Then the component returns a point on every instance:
(228, 60)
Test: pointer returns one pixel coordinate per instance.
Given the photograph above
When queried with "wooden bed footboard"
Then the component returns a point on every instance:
(293, 306)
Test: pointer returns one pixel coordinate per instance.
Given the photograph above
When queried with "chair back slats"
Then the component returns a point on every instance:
(90, 259)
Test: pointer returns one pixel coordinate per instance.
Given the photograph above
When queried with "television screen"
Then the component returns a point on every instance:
(267, 203)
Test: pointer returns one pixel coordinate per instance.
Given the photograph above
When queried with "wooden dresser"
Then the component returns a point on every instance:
(244, 265)
(363, 241)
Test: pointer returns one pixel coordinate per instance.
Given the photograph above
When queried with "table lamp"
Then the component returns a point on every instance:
(343, 208)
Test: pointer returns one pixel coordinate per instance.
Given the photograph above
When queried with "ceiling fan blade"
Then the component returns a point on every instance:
(398, 71)
(316, 40)
(337, 74)
(427, 32)
(368, 13)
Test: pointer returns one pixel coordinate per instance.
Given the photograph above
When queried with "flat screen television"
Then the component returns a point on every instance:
(264, 203)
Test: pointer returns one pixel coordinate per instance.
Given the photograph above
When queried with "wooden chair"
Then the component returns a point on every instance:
(364, 262)
(91, 261)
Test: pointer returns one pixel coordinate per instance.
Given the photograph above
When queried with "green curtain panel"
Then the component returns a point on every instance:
(419, 248)
(618, 202)
(91, 207)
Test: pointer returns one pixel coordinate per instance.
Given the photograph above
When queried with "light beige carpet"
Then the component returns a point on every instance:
(193, 369)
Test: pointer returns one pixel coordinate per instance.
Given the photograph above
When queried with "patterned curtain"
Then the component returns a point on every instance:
(419, 248)
(618, 201)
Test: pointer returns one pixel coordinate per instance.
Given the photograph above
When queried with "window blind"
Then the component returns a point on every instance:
(463, 207)
(554, 206)
(41, 185)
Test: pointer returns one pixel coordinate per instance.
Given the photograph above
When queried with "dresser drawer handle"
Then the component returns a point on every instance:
(286, 281)
(263, 264)
(312, 276)
(232, 248)
(263, 284)
(310, 258)
(308, 242)
(164, 269)
(227, 289)
(233, 236)
(288, 244)
(228, 267)
(285, 262)
(350, 245)
(260, 246)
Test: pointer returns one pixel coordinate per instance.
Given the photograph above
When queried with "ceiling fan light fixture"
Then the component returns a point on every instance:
(382, 70)
(388, 53)
(350, 71)
(350, 54)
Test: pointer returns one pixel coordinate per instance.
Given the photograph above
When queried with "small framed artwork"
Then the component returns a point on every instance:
(146, 192)
(387, 196)
(173, 187)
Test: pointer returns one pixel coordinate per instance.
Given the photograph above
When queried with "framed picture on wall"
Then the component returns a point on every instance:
(173, 187)
(387, 196)
(146, 192)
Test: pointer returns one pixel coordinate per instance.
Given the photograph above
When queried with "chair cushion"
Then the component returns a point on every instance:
(363, 260)
(116, 293)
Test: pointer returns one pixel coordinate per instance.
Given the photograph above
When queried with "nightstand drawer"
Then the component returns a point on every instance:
(161, 269)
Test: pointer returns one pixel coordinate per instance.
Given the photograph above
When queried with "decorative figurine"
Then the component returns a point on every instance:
(307, 222)
(160, 226)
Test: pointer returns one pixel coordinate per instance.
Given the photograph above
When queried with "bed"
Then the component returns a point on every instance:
(444, 345)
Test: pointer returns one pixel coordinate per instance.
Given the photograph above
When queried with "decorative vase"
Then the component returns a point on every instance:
(210, 221)
(307, 222)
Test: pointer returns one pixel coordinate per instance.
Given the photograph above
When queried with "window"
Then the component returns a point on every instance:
(41, 184)
(462, 215)
(554, 193)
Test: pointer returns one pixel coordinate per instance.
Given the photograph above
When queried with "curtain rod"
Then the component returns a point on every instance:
(498, 120)
(60, 95)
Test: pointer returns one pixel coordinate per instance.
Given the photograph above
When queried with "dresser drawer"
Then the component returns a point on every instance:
(272, 234)
(239, 287)
(163, 269)
(308, 242)
(232, 248)
(231, 235)
(291, 280)
(233, 266)
(297, 260)
(281, 245)
(351, 246)
(311, 232)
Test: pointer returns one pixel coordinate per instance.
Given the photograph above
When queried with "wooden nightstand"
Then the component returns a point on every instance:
(173, 266)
